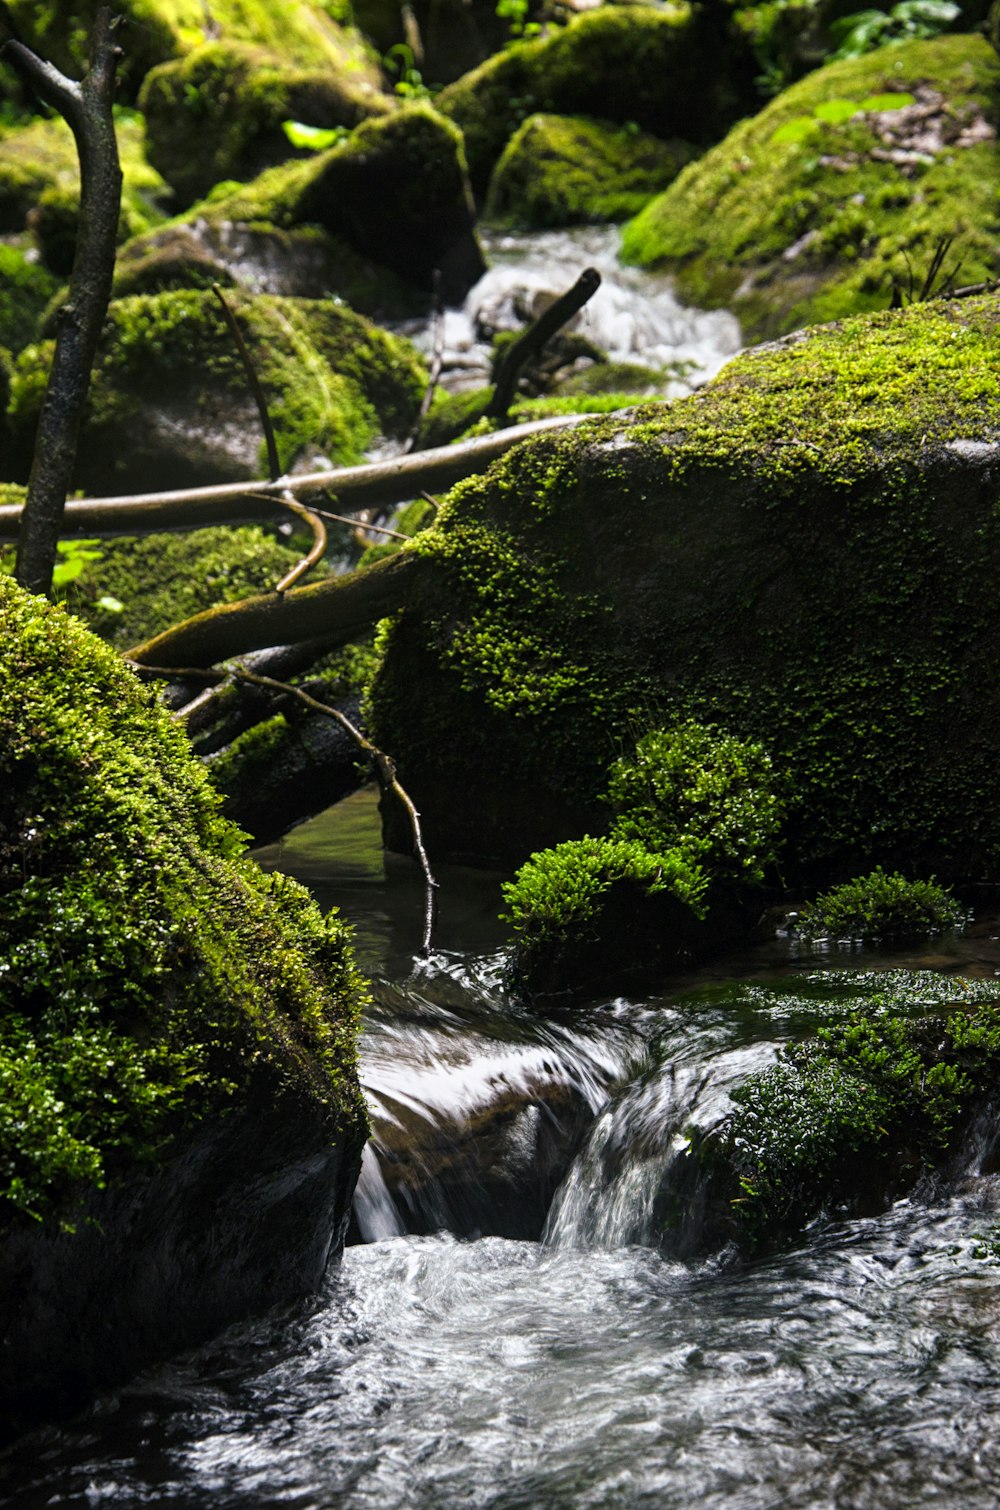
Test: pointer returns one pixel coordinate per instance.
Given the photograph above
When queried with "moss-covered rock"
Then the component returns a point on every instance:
(25, 292)
(673, 72)
(845, 183)
(393, 200)
(801, 555)
(878, 907)
(301, 32)
(170, 401)
(156, 992)
(848, 1121)
(218, 113)
(40, 185)
(560, 170)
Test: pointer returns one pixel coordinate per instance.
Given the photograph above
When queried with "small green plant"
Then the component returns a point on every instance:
(880, 906)
(515, 13)
(401, 66)
(909, 21)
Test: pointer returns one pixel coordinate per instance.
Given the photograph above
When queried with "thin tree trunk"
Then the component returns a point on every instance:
(86, 107)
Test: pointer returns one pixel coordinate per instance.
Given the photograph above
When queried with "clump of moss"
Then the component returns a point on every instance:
(559, 170)
(149, 975)
(697, 816)
(880, 906)
(848, 1120)
(218, 113)
(843, 185)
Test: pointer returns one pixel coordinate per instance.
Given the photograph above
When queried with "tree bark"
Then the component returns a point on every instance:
(86, 107)
(339, 609)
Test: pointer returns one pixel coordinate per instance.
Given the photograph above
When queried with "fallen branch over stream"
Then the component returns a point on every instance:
(380, 482)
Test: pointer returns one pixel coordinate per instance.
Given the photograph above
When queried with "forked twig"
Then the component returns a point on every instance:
(384, 765)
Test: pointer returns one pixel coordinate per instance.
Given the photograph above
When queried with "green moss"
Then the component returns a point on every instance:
(559, 170)
(25, 290)
(39, 177)
(849, 1119)
(302, 32)
(149, 975)
(333, 381)
(880, 906)
(161, 579)
(218, 113)
(671, 71)
(796, 217)
(796, 554)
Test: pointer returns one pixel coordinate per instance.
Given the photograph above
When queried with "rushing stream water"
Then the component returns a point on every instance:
(859, 1371)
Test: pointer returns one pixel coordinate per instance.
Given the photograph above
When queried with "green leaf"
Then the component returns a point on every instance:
(882, 102)
(110, 605)
(836, 111)
(313, 138)
(799, 129)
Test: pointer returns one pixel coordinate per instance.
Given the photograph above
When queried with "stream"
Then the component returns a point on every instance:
(451, 1361)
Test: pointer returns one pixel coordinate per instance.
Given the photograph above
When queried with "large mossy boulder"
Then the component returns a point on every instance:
(802, 554)
(170, 404)
(843, 186)
(564, 170)
(40, 185)
(219, 112)
(390, 205)
(301, 32)
(674, 72)
(181, 1121)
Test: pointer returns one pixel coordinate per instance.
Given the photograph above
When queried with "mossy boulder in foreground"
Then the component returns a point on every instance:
(803, 555)
(181, 1121)
(845, 183)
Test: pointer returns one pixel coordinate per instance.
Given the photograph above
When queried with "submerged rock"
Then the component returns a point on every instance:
(169, 397)
(802, 554)
(181, 1120)
(843, 186)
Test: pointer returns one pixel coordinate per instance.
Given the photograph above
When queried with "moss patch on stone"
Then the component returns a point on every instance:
(812, 209)
(801, 554)
(25, 291)
(149, 975)
(560, 170)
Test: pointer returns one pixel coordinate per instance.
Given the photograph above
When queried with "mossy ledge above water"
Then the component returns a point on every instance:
(159, 997)
(802, 554)
(846, 182)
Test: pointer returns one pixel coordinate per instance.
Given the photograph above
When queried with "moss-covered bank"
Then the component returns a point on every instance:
(843, 184)
(180, 1109)
(803, 554)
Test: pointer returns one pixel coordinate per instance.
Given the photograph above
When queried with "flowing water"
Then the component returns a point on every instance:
(451, 1362)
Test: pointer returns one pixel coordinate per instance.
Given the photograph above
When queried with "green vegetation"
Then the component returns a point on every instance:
(149, 975)
(847, 1120)
(880, 906)
(812, 209)
(559, 170)
(25, 291)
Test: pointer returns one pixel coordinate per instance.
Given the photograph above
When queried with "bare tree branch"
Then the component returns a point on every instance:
(87, 109)
(534, 338)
